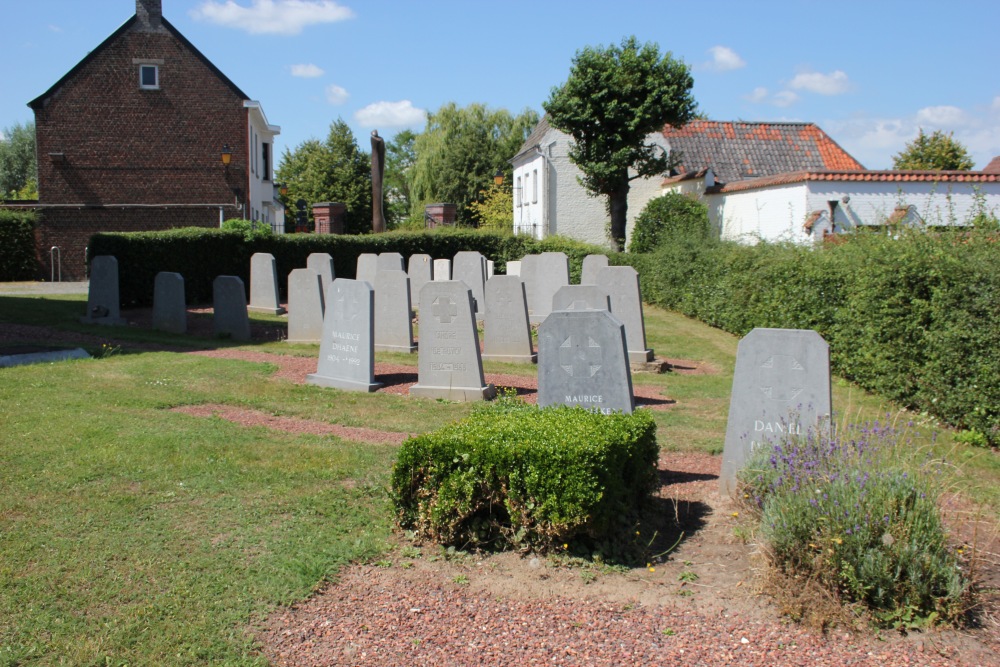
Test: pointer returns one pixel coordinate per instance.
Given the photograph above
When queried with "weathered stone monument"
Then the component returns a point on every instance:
(450, 365)
(581, 297)
(322, 263)
(507, 335)
(622, 285)
(442, 269)
(367, 267)
(229, 303)
(305, 306)
(591, 265)
(469, 266)
(781, 387)
(393, 323)
(264, 284)
(346, 352)
(420, 270)
(103, 300)
(582, 361)
(169, 304)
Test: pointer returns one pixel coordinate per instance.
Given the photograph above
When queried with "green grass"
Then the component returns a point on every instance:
(133, 534)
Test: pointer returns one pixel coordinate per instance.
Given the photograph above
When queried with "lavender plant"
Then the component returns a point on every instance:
(841, 508)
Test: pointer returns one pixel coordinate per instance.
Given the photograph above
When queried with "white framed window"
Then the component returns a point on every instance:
(534, 186)
(517, 190)
(149, 77)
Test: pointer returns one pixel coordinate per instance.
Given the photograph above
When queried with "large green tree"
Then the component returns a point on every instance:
(613, 99)
(18, 166)
(936, 151)
(335, 170)
(460, 150)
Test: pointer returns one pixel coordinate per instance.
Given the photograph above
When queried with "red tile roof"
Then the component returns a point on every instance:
(993, 167)
(876, 176)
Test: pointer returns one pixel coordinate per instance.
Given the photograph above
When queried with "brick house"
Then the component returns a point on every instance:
(132, 139)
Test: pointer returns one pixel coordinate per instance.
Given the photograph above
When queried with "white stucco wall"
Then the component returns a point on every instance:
(773, 214)
(530, 204)
(261, 204)
(937, 204)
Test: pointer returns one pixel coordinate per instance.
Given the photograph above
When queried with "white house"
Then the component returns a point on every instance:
(263, 204)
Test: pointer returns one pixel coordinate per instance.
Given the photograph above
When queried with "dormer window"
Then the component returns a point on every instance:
(149, 77)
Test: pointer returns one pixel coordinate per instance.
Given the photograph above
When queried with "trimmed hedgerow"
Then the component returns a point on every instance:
(17, 245)
(516, 476)
(670, 219)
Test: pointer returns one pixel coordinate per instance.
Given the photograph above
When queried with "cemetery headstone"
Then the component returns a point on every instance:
(781, 387)
(390, 261)
(490, 268)
(469, 266)
(529, 274)
(581, 297)
(622, 285)
(582, 361)
(514, 268)
(169, 305)
(551, 273)
(346, 351)
(264, 284)
(229, 303)
(322, 263)
(450, 365)
(103, 300)
(591, 265)
(367, 267)
(442, 269)
(305, 306)
(393, 316)
(420, 270)
(507, 335)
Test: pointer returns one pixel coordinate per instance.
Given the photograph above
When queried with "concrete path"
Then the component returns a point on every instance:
(39, 288)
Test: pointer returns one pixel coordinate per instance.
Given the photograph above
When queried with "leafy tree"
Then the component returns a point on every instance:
(613, 99)
(250, 229)
(495, 208)
(18, 167)
(399, 159)
(460, 150)
(669, 219)
(937, 151)
(336, 171)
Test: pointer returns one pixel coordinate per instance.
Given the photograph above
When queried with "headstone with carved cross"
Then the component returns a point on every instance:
(449, 364)
(507, 335)
(582, 361)
(393, 316)
(346, 351)
(622, 285)
(781, 389)
(581, 297)
(305, 306)
(264, 284)
(469, 266)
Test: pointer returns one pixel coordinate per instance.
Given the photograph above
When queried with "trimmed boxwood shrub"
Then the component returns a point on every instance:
(670, 219)
(514, 475)
(17, 246)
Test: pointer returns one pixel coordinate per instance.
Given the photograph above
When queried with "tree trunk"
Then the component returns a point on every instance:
(618, 208)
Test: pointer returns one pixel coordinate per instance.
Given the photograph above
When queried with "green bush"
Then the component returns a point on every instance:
(249, 229)
(513, 475)
(17, 246)
(840, 511)
(670, 219)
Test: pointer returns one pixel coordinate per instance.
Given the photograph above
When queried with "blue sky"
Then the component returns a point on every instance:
(869, 73)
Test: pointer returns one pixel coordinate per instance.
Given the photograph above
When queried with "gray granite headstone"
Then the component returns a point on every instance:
(169, 305)
(529, 275)
(390, 261)
(450, 365)
(420, 270)
(103, 301)
(393, 323)
(264, 284)
(622, 285)
(305, 306)
(346, 352)
(367, 267)
(322, 263)
(507, 335)
(490, 268)
(514, 268)
(781, 387)
(551, 273)
(442, 269)
(469, 266)
(591, 265)
(581, 297)
(582, 361)
(229, 302)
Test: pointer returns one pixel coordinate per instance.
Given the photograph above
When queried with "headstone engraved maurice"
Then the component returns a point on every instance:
(169, 305)
(229, 304)
(450, 365)
(442, 269)
(582, 361)
(322, 263)
(346, 351)
(469, 266)
(781, 386)
(305, 306)
(420, 270)
(591, 265)
(393, 323)
(103, 301)
(367, 267)
(622, 285)
(264, 284)
(581, 297)
(507, 335)
(551, 273)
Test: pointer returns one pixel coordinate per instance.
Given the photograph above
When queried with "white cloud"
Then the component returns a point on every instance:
(759, 94)
(941, 116)
(834, 83)
(281, 17)
(54, 28)
(724, 59)
(785, 98)
(391, 114)
(996, 103)
(306, 71)
(336, 95)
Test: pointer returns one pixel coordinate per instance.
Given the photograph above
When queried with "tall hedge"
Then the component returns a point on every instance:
(17, 245)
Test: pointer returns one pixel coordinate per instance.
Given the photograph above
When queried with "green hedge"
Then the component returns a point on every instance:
(201, 254)
(914, 318)
(520, 476)
(17, 246)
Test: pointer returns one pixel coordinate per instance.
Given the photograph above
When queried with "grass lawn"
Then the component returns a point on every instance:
(130, 534)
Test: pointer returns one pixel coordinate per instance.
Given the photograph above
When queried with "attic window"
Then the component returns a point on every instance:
(149, 77)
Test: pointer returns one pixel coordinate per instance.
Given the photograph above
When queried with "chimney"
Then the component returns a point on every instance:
(149, 13)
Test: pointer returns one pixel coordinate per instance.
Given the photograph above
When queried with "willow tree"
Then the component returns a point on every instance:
(614, 98)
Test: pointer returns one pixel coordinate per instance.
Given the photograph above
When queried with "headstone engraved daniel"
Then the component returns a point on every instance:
(582, 361)
(346, 352)
(507, 335)
(103, 303)
(781, 387)
(305, 306)
(622, 285)
(393, 317)
(264, 284)
(450, 364)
